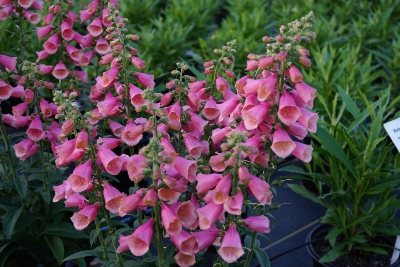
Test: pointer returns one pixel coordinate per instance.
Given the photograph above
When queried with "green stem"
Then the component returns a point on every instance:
(99, 234)
(7, 143)
(253, 240)
(43, 165)
(159, 235)
(4, 168)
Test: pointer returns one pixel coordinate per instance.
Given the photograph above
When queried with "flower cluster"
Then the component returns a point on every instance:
(213, 145)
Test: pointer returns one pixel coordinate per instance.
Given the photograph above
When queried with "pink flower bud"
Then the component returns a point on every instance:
(305, 61)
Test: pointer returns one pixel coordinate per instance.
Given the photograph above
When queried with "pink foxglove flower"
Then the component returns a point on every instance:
(74, 53)
(260, 190)
(6, 12)
(18, 91)
(5, 90)
(145, 79)
(139, 241)
(169, 196)
(95, 28)
(227, 108)
(210, 110)
(45, 69)
(138, 62)
(150, 199)
(60, 72)
(109, 106)
(308, 120)
(234, 204)
(85, 216)
(132, 134)
(42, 55)
(306, 92)
(265, 62)
(109, 77)
(129, 203)
(303, 152)
(22, 148)
(206, 182)
(111, 162)
(32, 17)
(8, 62)
(76, 201)
(170, 220)
(184, 260)
(231, 247)
(259, 224)
(305, 61)
(80, 179)
(266, 88)
(45, 108)
(35, 130)
(218, 163)
(209, 214)
(185, 242)
(206, 238)
(65, 150)
(93, 6)
(25, 3)
(295, 74)
(102, 47)
(52, 44)
(62, 191)
(186, 212)
(282, 144)
(112, 197)
(222, 189)
(221, 84)
(193, 146)
(117, 128)
(254, 116)
(187, 168)
(288, 112)
(85, 15)
(251, 65)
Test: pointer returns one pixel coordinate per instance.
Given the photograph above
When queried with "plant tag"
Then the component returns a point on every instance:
(393, 130)
(396, 251)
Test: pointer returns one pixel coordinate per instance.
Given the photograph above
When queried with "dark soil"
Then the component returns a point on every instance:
(366, 259)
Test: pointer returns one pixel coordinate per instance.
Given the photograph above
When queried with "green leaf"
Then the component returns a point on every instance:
(93, 236)
(373, 249)
(351, 105)
(334, 253)
(21, 184)
(305, 193)
(83, 254)
(57, 247)
(329, 142)
(5, 251)
(262, 257)
(10, 219)
(169, 253)
(46, 196)
(64, 230)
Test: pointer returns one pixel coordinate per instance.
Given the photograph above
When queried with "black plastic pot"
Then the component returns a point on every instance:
(322, 230)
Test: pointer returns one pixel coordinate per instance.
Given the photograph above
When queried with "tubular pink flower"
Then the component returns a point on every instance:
(32, 17)
(106, 59)
(85, 15)
(260, 224)
(129, 203)
(48, 18)
(266, 88)
(295, 74)
(186, 212)
(68, 126)
(166, 99)
(234, 205)
(281, 56)
(85, 216)
(193, 146)
(145, 79)
(93, 6)
(65, 150)
(102, 46)
(18, 91)
(175, 111)
(231, 246)
(198, 122)
(186, 168)
(25, 3)
(185, 242)
(282, 144)
(108, 105)
(111, 162)
(222, 190)
(209, 214)
(6, 12)
(139, 241)
(73, 52)
(52, 44)
(22, 148)
(196, 86)
(76, 201)
(80, 179)
(260, 190)
(288, 112)
(251, 86)
(184, 260)
(72, 17)
(136, 97)
(95, 28)
(138, 62)
(305, 61)
(45, 108)
(112, 197)
(306, 93)
(60, 191)
(116, 128)
(265, 62)
(251, 65)
(170, 220)
(132, 134)
(104, 19)
(206, 182)
(240, 84)
(45, 69)
(60, 72)
(217, 162)
(254, 116)
(150, 199)
(308, 119)
(221, 84)
(303, 152)
(8, 62)
(5, 90)
(227, 108)
(109, 77)
(169, 196)
(42, 55)
(206, 238)
(35, 130)
(297, 130)
(210, 110)
(109, 142)
(87, 58)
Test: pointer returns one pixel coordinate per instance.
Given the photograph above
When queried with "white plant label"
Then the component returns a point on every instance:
(393, 130)
(396, 252)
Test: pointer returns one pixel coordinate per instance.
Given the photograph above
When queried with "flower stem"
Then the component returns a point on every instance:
(160, 246)
(7, 143)
(253, 240)
(43, 165)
